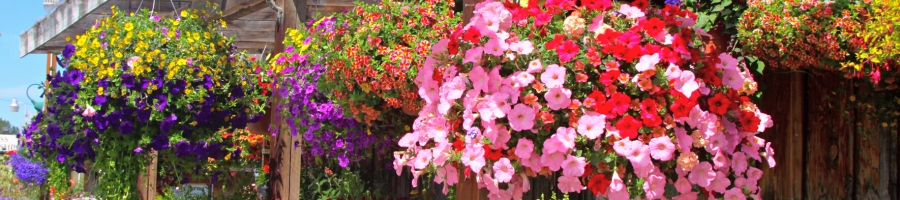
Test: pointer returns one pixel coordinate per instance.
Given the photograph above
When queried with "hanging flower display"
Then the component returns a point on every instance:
(621, 100)
(329, 136)
(380, 51)
(139, 82)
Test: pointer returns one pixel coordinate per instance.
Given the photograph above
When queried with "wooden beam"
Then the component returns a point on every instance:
(56, 22)
(242, 10)
(285, 178)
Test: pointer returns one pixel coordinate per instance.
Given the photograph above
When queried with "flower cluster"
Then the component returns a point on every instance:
(27, 170)
(618, 98)
(380, 52)
(136, 82)
(853, 38)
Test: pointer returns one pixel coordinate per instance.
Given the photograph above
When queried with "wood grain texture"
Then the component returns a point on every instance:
(785, 105)
(829, 169)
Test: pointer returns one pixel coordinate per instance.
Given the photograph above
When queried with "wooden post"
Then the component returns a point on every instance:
(284, 177)
(147, 179)
(468, 188)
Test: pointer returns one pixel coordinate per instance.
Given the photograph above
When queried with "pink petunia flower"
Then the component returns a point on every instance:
(524, 148)
(617, 189)
(631, 12)
(423, 158)
(503, 170)
(623, 147)
(409, 140)
(522, 79)
(558, 98)
(640, 157)
(479, 79)
(454, 88)
(522, 47)
(553, 160)
(573, 166)
(682, 185)
(702, 174)
(554, 76)
(720, 183)
(521, 117)
(733, 78)
(534, 66)
(648, 62)
(735, 194)
(494, 80)
(474, 158)
(591, 126)
(473, 55)
(495, 47)
(655, 186)
(686, 83)
(569, 184)
(566, 137)
(89, 111)
(661, 148)
(770, 154)
(440, 47)
(739, 163)
(721, 162)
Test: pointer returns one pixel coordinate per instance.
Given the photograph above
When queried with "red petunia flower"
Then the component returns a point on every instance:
(641, 4)
(653, 26)
(491, 153)
(749, 121)
(628, 127)
(599, 183)
(458, 145)
(650, 118)
(567, 51)
(453, 47)
(719, 104)
(588, 171)
(266, 168)
(472, 35)
(681, 108)
(556, 42)
(620, 103)
(597, 4)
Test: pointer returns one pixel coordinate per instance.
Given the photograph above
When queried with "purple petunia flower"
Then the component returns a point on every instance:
(167, 123)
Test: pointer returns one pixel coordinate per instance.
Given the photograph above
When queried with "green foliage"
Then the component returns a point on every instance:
(717, 14)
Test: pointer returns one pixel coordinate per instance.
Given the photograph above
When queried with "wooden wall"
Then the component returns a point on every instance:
(823, 151)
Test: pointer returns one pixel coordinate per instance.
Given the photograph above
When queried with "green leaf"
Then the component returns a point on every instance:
(760, 66)
(702, 21)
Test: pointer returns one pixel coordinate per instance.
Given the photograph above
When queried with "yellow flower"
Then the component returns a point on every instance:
(223, 23)
(184, 13)
(129, 26)
(99, 90)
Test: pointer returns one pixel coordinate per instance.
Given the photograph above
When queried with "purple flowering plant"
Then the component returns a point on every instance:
(140, 83)
(328, 135)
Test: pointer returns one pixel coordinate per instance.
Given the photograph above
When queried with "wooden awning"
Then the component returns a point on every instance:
(251, 22)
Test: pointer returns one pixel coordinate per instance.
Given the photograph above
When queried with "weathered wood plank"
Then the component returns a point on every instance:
(56, 22)
(250, 36)
(785, 103)
(467, 188)
(242, 9)
(829, 169)
(877, 166)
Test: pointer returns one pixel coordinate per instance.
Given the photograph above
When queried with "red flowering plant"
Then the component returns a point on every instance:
(856, 39)
(379, 54)
(620, 98)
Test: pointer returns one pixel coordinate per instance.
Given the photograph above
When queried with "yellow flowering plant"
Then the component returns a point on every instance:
(136, 82)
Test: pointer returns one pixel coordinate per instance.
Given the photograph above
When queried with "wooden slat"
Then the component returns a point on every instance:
(242, 9)
(829, 169)
(877, 165)
(785, 104)
(251, 36)
(252, 25)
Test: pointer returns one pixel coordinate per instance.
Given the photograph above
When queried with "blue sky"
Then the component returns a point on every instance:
(17, 73)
